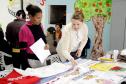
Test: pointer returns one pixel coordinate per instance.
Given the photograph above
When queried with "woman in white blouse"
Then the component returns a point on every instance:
(74, 38)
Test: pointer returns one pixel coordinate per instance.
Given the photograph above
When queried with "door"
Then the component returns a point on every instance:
(118, 27)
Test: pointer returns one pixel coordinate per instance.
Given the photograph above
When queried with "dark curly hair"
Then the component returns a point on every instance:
(32, 9)
(51, 30)
(21, 12)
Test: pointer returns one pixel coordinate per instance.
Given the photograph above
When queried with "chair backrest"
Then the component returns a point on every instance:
(53, 58)
(2, 62)
(88, 44)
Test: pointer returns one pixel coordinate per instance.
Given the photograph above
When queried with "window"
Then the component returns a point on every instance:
(58, 14)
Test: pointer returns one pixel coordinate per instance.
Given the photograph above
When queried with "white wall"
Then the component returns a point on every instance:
(5, 17)
(69, 9)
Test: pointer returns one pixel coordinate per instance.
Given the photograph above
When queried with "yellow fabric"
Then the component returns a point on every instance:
(106, 59)
(102, 66)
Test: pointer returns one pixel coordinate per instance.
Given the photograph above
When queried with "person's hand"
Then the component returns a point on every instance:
(46, 47)
(78, 53)
(74, 62)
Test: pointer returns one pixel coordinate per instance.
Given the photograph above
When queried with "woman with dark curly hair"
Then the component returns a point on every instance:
(29, 34)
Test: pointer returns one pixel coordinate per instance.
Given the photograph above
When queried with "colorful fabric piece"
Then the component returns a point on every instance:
(16, 78)
(102, 66)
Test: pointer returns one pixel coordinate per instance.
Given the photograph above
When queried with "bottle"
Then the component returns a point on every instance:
(115, 55)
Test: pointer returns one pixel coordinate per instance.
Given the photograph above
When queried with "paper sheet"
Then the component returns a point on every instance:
(39, 51)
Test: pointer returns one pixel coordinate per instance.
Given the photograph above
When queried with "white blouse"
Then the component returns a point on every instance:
(71, 41)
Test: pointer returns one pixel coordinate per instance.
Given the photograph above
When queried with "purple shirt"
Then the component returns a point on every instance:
(25, 35)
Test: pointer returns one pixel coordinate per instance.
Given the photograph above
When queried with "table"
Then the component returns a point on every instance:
(60, 79)
(85, 75)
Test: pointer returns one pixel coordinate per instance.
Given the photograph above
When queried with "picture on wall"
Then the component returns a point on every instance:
(99, 12)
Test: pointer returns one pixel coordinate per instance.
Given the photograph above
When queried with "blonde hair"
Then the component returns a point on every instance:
(78, 15)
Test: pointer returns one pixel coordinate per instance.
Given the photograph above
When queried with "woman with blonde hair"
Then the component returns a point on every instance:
(74, 38)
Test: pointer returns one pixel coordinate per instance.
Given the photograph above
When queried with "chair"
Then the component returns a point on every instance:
(87, 46)
(53, 58)
(2, 61)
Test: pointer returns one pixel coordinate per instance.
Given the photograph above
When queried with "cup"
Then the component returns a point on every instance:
(115, 55)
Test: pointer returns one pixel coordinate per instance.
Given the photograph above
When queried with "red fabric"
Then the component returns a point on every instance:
(18, 79)
(13, 74)
(27, 80)
(3, 81)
